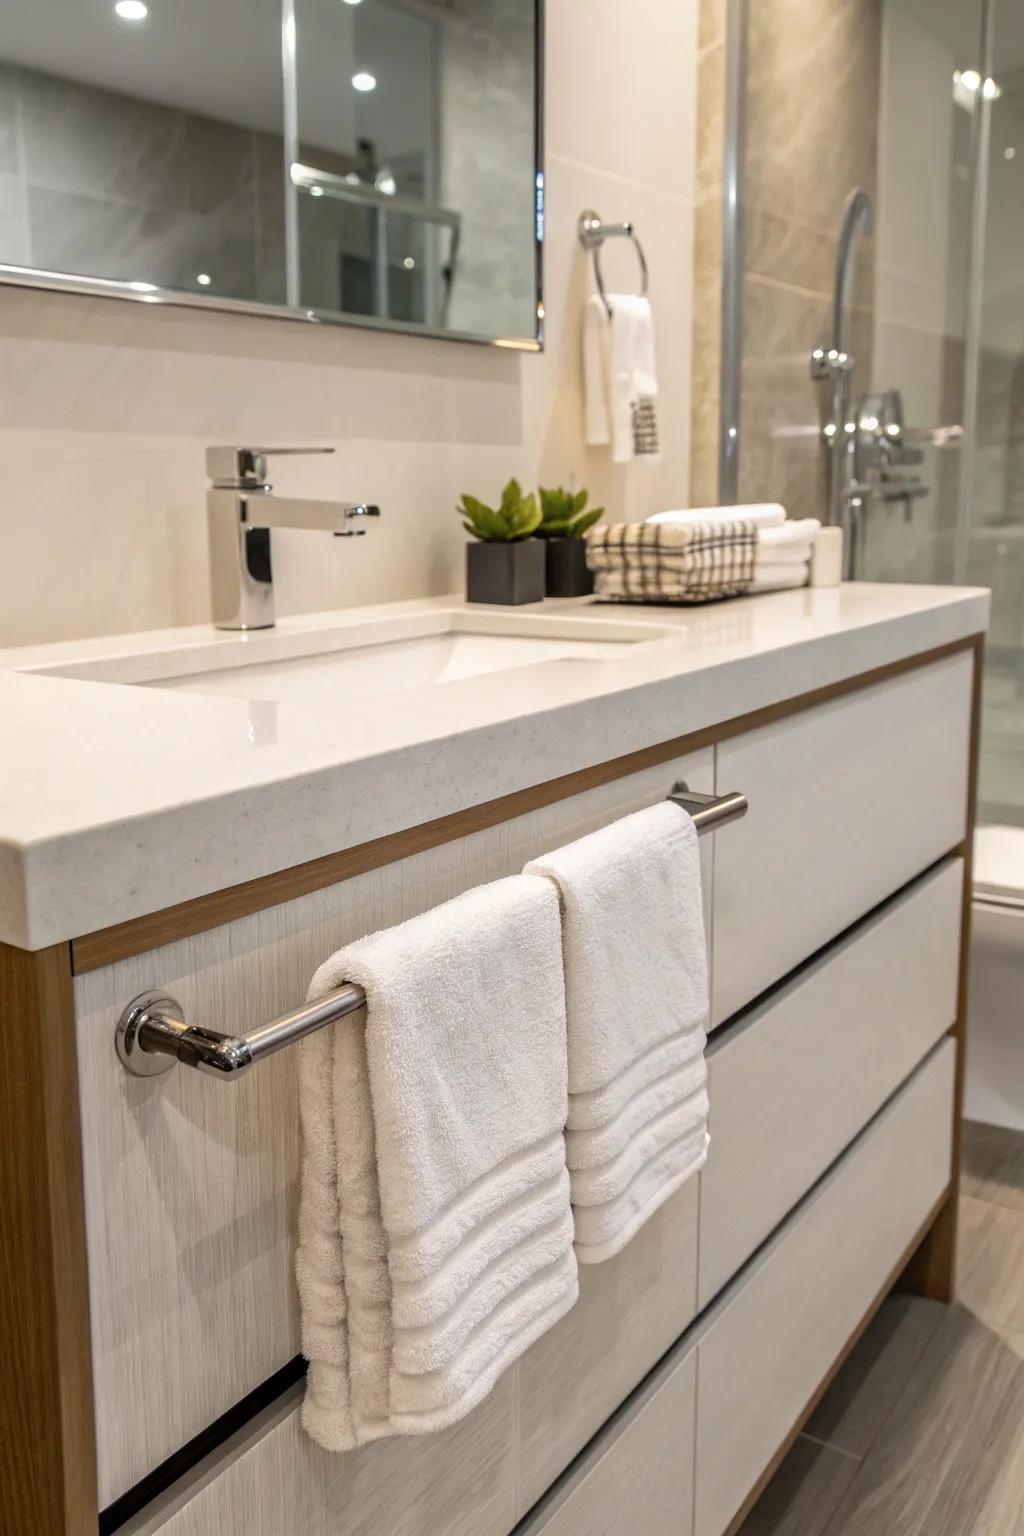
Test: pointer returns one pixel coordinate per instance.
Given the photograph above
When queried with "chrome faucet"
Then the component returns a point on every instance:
(241, 511)
(835, 364)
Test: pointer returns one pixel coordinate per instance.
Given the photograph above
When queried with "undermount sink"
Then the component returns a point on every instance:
(355, 658)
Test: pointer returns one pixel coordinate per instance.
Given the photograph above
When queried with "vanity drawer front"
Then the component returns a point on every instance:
(631, 1310)
(848, 801)
(769, 1343)
(637, 1477)
(793, 1082)
(191, 1184)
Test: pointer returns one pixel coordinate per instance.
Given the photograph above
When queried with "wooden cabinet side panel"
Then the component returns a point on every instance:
(47, 1444)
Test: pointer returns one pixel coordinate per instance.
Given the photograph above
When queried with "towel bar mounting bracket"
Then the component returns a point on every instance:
(152, 1035)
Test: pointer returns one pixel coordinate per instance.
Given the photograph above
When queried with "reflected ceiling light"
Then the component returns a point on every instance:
(138, 287)
(353, 2)
(384, 181)
(968, 78)
(204, 279)
(409, 263)
(1009, 153)
(991, 90)
(131, 10)
(364, 81)
(316, 191)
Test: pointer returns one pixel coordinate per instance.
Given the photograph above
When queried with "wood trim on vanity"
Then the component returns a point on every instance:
(47, 1432)
(107, 945)
(932, 1269)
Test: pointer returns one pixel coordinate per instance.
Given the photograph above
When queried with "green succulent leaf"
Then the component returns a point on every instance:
(584, 521)
(516, 517)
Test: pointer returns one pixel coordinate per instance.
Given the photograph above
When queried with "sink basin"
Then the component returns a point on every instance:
(355, 657)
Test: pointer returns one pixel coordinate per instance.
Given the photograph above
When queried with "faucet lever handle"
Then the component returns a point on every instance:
(246, 466)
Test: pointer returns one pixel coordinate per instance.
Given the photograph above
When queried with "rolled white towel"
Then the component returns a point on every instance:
(762, 515)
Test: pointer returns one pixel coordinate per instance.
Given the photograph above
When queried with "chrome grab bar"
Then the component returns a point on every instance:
(152, 1034)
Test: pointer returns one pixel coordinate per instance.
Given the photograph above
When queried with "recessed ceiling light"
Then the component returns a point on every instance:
(364, 81)
(131, 10)
(1009, 153)
(409, 263)
(204, 279)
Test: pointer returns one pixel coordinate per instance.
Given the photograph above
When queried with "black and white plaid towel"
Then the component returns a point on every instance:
(669, 563)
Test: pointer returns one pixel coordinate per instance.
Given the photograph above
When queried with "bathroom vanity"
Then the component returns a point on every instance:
(208, 816)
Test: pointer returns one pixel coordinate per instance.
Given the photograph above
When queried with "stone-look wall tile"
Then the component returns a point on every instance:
(708, 268)
(97, 143)
(15, 242)
(812, 106)
(10, 156)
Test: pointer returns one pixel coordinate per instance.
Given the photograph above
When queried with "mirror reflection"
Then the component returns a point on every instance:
(372, 160)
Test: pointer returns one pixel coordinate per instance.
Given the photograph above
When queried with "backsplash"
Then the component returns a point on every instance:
(106, 408)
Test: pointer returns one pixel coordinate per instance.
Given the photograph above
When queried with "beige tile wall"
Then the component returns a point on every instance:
(811, 134)
(105, 407)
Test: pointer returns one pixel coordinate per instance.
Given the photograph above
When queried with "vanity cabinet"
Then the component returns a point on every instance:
(658, 1404)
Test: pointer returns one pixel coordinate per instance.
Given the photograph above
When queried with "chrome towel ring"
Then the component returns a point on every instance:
(592, 234)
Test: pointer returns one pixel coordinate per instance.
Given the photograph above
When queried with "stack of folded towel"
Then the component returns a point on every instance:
(699, 555)
(435, 1231)
(535, 1042)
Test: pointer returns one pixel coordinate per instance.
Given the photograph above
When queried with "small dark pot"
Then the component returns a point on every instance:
(566, 573)
(505, 573)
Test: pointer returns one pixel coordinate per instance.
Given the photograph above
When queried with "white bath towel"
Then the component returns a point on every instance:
(760, 514)
(783, 539)
(620, 382)
(435, 1232)
(637, 1002)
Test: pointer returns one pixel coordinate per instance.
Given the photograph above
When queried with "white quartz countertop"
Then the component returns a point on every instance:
(116, 800)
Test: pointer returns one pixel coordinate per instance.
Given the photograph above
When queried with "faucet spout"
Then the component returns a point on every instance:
(269, 511)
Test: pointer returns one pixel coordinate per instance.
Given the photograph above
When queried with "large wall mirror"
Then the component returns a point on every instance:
(368, 161)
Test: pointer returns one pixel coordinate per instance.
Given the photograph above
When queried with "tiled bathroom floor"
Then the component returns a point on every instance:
(922, 1433)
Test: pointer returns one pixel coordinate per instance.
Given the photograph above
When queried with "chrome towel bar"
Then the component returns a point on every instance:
(152, 1034)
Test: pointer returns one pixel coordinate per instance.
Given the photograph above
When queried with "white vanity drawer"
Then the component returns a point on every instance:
(190, 1183)
(792, 1082)
(637, 1477)
(848, 801)
(770, 1341)
(631, 1310)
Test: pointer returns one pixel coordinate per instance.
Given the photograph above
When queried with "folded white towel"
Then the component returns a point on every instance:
(797, 531)
(620, 382)
(435, 1233)
(637, 1001)
(778, 578)
(761, 514)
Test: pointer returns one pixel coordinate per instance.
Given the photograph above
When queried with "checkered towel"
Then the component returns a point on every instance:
(667, 563)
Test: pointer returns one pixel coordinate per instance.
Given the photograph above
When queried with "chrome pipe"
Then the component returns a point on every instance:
(152, 1035)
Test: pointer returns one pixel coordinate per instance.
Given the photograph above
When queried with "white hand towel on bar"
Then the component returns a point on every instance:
(637, 1001)
(620, 383)
(761, 514)
(435, 1232)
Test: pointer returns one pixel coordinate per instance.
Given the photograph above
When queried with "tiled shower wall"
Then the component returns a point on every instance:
(811, 135)
(106, 407)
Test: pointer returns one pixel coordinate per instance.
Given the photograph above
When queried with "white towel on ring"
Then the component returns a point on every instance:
(435, 1233)
(620, 383)
(637, 1003)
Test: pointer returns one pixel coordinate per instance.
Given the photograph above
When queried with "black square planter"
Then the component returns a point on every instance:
(505, 573)
(566, 570)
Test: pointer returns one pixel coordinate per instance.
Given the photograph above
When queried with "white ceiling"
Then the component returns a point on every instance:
(222, 58)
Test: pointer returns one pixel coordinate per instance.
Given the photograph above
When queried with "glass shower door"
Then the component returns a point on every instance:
(994, 543)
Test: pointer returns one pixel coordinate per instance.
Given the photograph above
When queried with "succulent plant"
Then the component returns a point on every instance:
(563, 515)
(516, 517)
